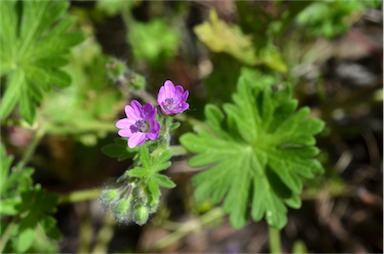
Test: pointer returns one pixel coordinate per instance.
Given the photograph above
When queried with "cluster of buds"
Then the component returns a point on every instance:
(129, 202)
(120, 75)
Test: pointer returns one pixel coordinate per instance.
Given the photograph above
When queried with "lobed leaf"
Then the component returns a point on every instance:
(34, 38)
(164, 181)
(257, 153)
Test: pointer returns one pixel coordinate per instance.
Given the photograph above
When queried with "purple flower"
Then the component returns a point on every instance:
(172, 99)
(140, 124)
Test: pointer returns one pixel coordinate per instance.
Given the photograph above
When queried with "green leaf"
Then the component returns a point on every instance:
(164, 181)
(119, 150)
(12, 183)
(257, 152)
(221, 37)
(162, 161)
(26, 233)
(112, 150)
(34, 37)
(48, 223)
(154, 41)
(5, 165)
(9, 206)
(151, 164)
(113, 7)
(139, 172)
(331, 18)
(30, 205)
(153, 188)
(89, 98)
(145, 157)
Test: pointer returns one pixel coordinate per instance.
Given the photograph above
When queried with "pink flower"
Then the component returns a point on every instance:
(172, 99)
(140, 124)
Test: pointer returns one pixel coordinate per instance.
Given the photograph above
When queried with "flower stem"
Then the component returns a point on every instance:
(40, 132)
(78, 196)
(178, 150)
(184, 229)
(7, 234)
(274, 240)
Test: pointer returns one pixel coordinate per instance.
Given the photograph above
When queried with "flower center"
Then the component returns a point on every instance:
(169, 104)
(140, 126)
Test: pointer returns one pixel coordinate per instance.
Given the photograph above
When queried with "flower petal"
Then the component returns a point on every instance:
(161, 96)
(184, 106)
(179, 90)
(136, 140)
(138, 109)
(185, 95)
(130, 113)
(149, 111)
(125, 133)
(124, 123)
(169, 89)
(153, 133)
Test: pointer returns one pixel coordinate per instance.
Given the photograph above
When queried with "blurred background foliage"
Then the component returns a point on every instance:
(330, 51)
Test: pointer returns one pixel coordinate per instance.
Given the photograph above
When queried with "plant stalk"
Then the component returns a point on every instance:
(78, 196)
(274, 240)
(7, 234)
(27, 156)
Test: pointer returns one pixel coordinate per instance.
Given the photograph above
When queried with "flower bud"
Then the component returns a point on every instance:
(122, 210)
(109, 196)
(139, 195)
(140, 214)
(153, 205)
(116, 71)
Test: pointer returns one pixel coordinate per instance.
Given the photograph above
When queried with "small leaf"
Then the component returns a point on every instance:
(164, 181)
(153, 41)
(216, 33)
(160, 167)
(49, 225)
(153, 188)
(164, 156)
(113, 150)
(139, 172)
(114, 7)
(145, 157)
(26, 234)
(11, 95)
(9, 206)
(174, 126)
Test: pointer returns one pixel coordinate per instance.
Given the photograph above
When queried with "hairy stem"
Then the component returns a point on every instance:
(78, 196)
(178, 150)
(274, 240)
(40, 132)
(192, 225)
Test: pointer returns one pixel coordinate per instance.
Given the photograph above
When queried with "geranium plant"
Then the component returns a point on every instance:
(137, 193)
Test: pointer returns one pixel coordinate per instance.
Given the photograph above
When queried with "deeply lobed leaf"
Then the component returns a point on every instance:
(257, 153)
(34, 37)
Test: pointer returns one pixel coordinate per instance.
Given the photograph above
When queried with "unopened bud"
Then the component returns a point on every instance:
(140, 214)
(107, 197)
(139, 195)
(153, 205)
(122, 210)
(137, 81)
(116, 69)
